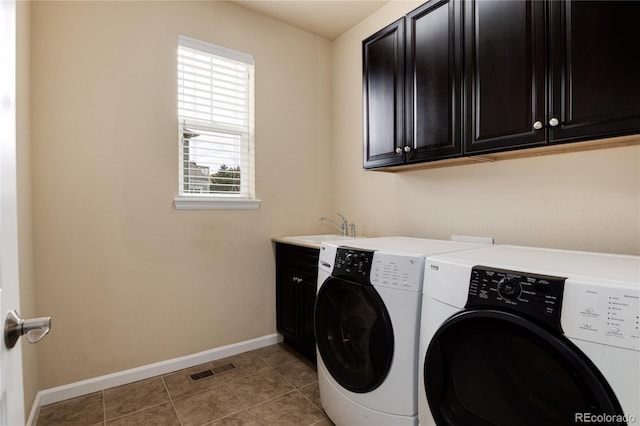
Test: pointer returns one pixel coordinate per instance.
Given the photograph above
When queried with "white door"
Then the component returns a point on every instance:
(11, 388)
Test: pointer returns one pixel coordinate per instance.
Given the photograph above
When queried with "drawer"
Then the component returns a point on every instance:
(303, 258)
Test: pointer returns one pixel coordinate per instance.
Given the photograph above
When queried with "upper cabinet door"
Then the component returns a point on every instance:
(505, 75)
(434, 81)
(595, 69)
(383, 96)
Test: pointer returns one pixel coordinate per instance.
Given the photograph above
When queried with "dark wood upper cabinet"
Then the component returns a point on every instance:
(505, 73)
(433, 105)
(412, 76)
(595, 69)
(467, 78)
(383, 96)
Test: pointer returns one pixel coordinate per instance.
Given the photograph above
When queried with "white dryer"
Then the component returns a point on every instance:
(525, 336)
(366, 324)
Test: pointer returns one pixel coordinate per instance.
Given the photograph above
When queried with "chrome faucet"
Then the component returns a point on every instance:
(344, 227)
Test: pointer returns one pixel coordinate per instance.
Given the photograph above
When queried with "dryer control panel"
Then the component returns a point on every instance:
(536, 296)
(606, 313)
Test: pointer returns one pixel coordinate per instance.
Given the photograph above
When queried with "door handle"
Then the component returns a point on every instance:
(34, 328)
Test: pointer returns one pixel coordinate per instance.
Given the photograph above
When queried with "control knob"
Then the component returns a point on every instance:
(509, 288)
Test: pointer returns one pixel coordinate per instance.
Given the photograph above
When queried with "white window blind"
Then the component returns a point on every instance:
(216, 121)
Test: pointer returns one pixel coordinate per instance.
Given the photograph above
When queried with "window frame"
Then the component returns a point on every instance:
(246, 199)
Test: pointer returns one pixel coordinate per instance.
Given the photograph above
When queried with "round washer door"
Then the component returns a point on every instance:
(354, 334)
(488, 367)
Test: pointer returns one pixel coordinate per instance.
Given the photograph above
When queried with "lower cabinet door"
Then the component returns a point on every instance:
(296, 281)
(287, 303)
(307, 303)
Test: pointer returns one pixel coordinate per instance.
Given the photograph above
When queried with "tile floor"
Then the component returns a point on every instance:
(269, 386)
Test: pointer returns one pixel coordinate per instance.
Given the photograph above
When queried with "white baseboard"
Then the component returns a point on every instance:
(72, 390)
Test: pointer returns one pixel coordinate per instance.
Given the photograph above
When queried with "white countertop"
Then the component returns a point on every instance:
(310, 241)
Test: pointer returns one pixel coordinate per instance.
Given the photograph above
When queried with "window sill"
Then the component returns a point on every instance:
(211, 203)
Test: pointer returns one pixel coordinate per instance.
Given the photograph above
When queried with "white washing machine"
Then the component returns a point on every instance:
(366, 324)
(525, 336)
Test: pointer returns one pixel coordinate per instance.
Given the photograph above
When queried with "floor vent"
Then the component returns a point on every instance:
(210, 373)
(223, 368)
(202, 375)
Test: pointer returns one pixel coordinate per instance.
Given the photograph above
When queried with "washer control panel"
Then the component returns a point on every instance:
(536, 296)
(353, 264)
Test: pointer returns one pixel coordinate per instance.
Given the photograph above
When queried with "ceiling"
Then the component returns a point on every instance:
(328, 19)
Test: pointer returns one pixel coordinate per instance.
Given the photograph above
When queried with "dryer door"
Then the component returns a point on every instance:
(354, 334)
(488, 367)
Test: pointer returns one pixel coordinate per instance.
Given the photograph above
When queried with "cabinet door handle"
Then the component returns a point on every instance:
(537, 125)
(407, 148)
(398, 150)
(553, 122)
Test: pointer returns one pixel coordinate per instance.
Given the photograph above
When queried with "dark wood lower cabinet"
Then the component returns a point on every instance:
(296, 283)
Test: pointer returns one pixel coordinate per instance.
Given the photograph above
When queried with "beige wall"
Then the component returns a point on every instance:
(585, 201)
(127, 278)
(25, 225)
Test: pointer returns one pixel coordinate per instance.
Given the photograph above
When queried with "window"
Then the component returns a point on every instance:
(216, 127)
